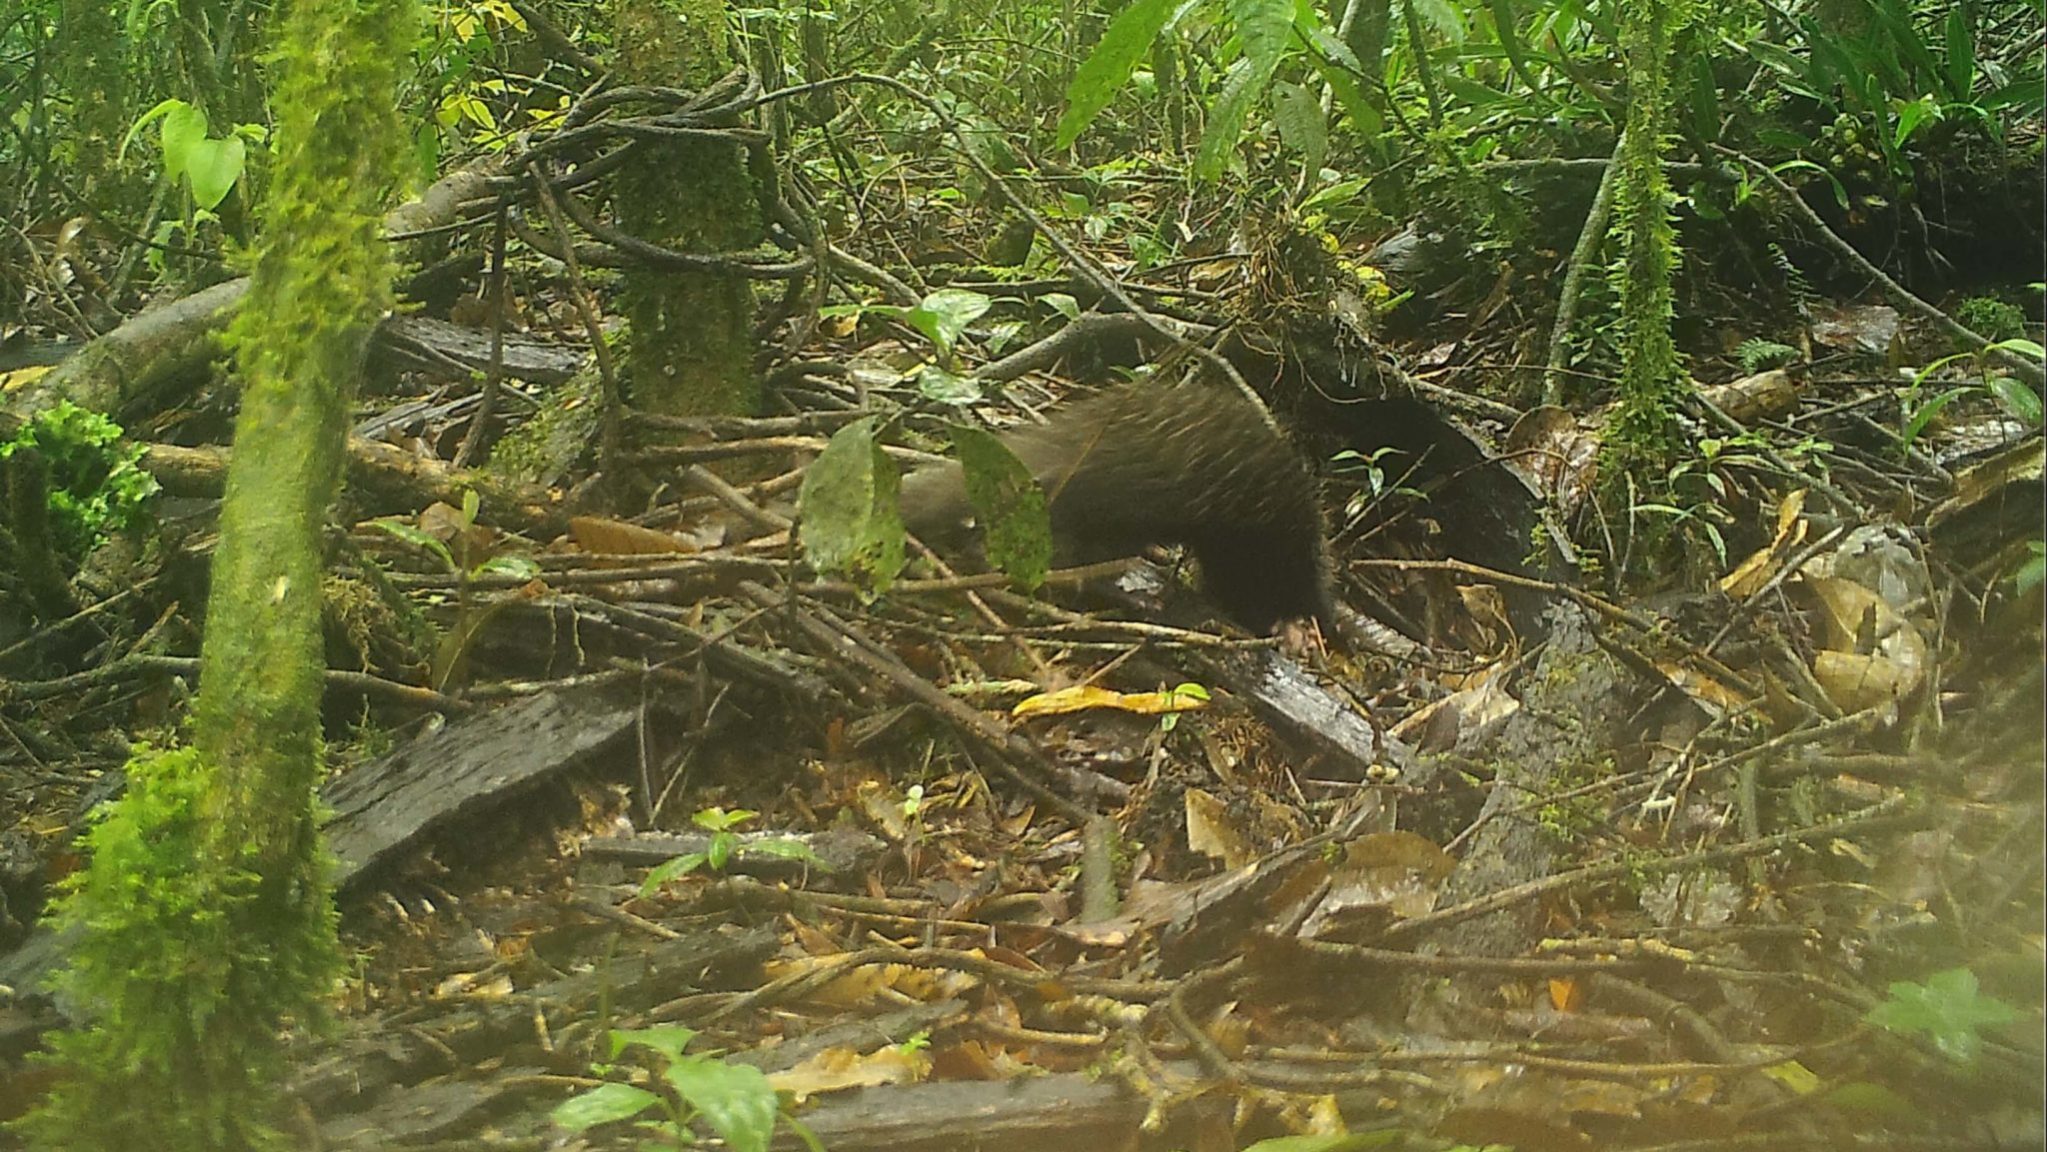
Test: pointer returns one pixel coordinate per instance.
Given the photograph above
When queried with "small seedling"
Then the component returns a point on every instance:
(735, 1100)
(723, 827)
(1948, 1009)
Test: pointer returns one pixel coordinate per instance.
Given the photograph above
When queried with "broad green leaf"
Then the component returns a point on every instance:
(1329, 45)
(1364, 118)
(945, 314)
(783, 848)
(1948, 1009)
(1961, 53)
(184, 129)
(1910, 115)
(1264, 28)
(1865, 1098)
(735, 1099)
(1302, 128)
(1241, 90)
(1124, 43)
(414, 535)
(213, 166)
(850, 521)
(604, 1104)
(1333, 196)
(162, 109)
(517, 567)
(1008, 503)
(2018, 399)
(667, 870)
(1778, 59)
(2033, 571)
(1925, 414)
(720, 852)
(936, 383)
(667, 1039)
(1442, 16)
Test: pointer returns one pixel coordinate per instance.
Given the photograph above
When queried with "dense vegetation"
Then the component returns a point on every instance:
(1671, 375)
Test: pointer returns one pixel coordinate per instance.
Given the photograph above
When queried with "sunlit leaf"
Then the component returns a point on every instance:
(1126, 41)
(604, 1104)
(735, 1099)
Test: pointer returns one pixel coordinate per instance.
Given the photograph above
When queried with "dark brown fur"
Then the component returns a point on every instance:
(1193, 464)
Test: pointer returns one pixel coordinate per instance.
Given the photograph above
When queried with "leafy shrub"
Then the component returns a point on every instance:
(96, 487)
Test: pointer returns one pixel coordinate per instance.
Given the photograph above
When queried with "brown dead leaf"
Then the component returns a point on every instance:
(603, 536)
(1756, 397)
(1751, 575)
(1555, 453)
(1383, 877)
(1566, 994)
(836, 1069)
(1871, 656)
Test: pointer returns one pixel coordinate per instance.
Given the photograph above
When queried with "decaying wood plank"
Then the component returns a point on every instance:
(425, 343)
(388, 806)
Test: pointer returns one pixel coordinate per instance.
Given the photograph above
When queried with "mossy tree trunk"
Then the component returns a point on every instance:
(205, 920)
(692, 329)
(1644, 438)
(322, 281)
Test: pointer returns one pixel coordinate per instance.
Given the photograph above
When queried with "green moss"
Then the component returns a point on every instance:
(1991, 318)
(95, 483)
(543, 449)
(186, 962)
(1643, 439)
(1577, 812)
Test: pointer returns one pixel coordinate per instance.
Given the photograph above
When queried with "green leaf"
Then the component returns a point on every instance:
(2017, 398)
(1364, 117)
(1009, 503)
(604, 1104)
(1124, 43)
(1926, 413)
(850, 521)
(668, 870)
(517, 567)
(2032, 572)
(412, 534)
(735, 1099)
(1062, 303)
(717, 819)
(1910, 116)
(162, 109)
(1241, 90)
(936, 384)
(785, 848)
(1778, 59)
(1302, 127)
(945, 314)
(1865, 1098)
(1442, 16)
(667, 1039)
(1947, 1009)
(1331, 197)
(184, 128)
(214, 166)
(1265, 28)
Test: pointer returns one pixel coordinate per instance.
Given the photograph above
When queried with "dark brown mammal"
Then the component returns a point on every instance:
(1193, 463)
